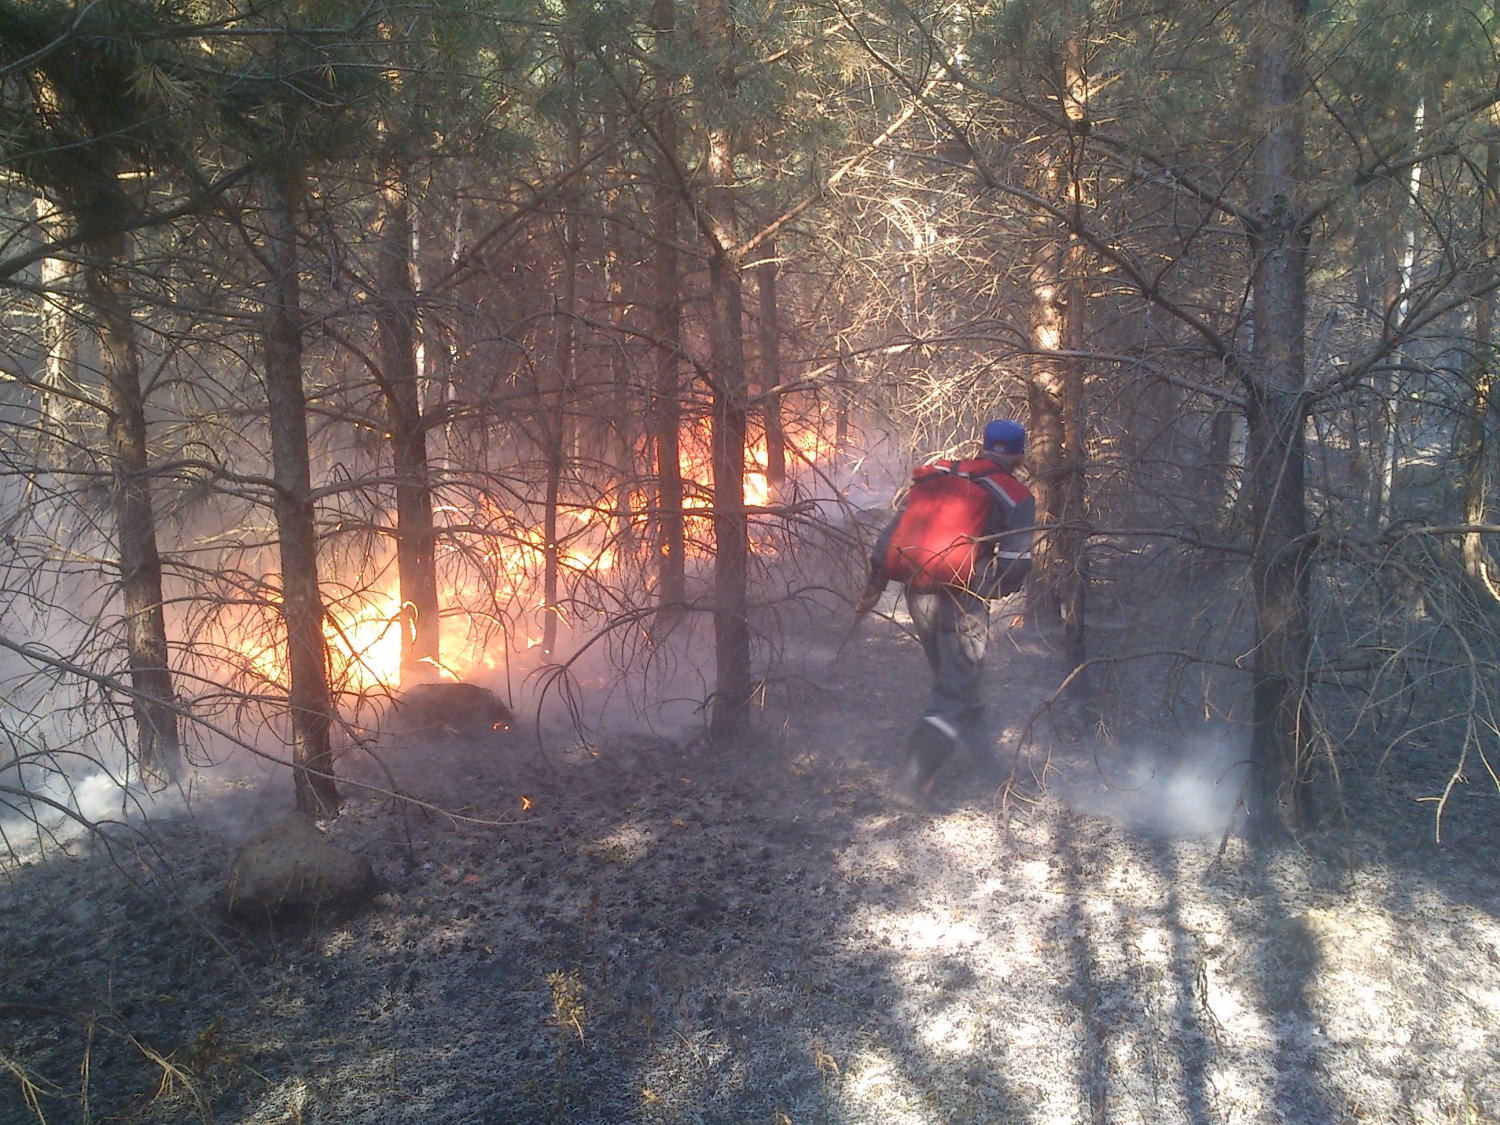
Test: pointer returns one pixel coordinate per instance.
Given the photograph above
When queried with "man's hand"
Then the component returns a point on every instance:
(866, 601)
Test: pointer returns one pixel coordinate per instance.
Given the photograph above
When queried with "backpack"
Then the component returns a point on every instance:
(937, 539)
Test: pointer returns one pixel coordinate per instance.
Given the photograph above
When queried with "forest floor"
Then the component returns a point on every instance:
(759, 936)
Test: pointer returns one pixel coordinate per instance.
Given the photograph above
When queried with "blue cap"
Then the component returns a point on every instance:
(1005, 436)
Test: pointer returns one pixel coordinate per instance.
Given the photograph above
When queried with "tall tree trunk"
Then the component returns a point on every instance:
(733, 688)
(416, 559)
(770, 371)
(1405, 260)
(1072, 540)
(310, 699)
(1385, 410)
(1357, 467)
(666, 221)
(625, 431)
(555, 428)
(1376, 285)
(1071, 492)
(104, 277)
(730, 523)
(1474, 458)
(1280, 559)
(1055, 390)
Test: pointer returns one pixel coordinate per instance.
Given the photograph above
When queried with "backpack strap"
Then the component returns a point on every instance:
(951, 468)
(985, 478)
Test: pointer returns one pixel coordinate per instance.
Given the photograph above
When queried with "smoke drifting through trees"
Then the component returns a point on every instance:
(412, 338)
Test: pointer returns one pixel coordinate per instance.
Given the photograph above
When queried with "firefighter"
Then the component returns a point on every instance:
(953, 552)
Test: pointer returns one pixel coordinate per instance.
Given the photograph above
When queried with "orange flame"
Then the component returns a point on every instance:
(364, 634)
(364, 646)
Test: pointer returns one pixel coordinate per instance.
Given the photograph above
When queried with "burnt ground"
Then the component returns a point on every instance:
(671, 935)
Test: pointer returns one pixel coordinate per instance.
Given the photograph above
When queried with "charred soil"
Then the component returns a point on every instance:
(642, 929)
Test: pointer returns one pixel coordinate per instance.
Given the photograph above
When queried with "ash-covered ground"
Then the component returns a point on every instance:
(670, 934)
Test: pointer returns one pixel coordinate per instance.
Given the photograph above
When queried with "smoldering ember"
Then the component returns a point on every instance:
(778, 563)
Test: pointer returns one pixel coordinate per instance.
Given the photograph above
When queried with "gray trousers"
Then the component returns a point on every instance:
(954, 628)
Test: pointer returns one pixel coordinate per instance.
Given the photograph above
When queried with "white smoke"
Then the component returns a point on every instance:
(1183, 786)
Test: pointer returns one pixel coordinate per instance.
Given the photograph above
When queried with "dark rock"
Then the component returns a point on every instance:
(452, 709)
(292, 870)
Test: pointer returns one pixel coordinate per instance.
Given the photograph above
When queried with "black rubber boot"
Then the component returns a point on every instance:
(975, 733)
(926, 751)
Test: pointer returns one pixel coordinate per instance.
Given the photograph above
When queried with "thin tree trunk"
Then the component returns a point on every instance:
(666, 215)
(1474, 456)
(1045, 444)
(310, 700)
(551, 495)
(1225, 459)
(437, 339)
(770, 372)
(1072, 535)
(1280, 560)
(159, 746)
(555, 428)
(59, 338)
(625, 430)
(1072, 591)
(1405, 271)
(733, 689)
(841, 395)
(1366, 440)
(416, 559)
(1385, 407)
